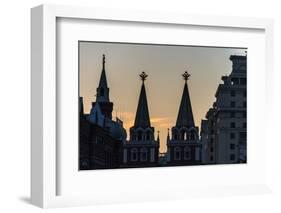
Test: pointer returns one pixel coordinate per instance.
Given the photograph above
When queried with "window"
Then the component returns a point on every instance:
(243, 81)
(232, 135)
(244, 114)
(234, 81)
(212, 149)
(232, 125)
(177, 153)
(143, 154)
(232, 114)
(183, 135)
(232, 157)
(245, 104)
(134, 154)
(243, 135)
(192, 135)
(232, 104)
(232, 146)
(244, 125)
(232, 93)
(139, 135)
(212, 158)
(186, 153)
(148, 136)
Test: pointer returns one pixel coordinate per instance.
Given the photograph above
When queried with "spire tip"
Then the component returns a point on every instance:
(186, 76)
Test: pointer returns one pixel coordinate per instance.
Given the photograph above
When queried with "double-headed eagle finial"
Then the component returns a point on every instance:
(185, 76)
(143, 76)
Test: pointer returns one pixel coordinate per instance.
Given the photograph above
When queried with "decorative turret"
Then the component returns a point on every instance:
(184, 147)
(185, 129)
(102, 96)
(142, 116)
(103, 90)
(185, 115)
(142, 129)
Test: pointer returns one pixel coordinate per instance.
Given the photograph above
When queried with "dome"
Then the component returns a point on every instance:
(117, 131)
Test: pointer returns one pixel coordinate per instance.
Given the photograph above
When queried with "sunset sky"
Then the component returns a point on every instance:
(164, 85)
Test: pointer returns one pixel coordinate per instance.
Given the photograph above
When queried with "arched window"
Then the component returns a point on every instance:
(148, 135)
(192, 135)
(182, 135)
(134, 154)
(177, 153)
(187, 154)
(139, 135)
(143, 154)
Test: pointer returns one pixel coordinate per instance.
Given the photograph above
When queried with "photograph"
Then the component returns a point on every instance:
(161, 105)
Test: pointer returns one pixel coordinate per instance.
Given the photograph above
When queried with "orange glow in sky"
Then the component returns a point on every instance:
(164, 66)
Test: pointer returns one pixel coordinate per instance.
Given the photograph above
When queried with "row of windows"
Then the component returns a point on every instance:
(177, 153)
(233, 104)
(233, 93)
(233, 114)
(135, 154)
(242, 135)
(237, 81)
(231, 157)
(185, 136)
(142, 136)
(233, 125)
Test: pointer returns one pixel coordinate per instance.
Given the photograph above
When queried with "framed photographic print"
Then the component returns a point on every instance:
(149, 106)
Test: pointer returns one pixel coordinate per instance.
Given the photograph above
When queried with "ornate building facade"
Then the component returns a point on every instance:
(184, 147)
(224, 132)
(142, 149)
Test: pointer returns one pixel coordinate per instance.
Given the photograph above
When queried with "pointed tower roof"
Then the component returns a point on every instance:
(103, 81)
(103, 90)
(185, 115)
(142, 117)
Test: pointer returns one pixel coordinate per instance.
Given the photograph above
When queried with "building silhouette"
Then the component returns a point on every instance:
(100, 137)
(103, 141)
(142, 149)
(184, 146)
(224, 131)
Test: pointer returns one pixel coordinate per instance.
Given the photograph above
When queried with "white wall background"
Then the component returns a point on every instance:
(15, 104)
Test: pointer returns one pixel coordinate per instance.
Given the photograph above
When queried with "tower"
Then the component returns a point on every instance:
(102, 95)
(225, 127)
(142, 149)
(184, 147)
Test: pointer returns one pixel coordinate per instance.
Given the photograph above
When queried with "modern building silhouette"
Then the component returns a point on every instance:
(224, 132)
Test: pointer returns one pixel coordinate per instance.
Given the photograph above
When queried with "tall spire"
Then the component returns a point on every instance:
(103, 90)
(142, 117)
(185, 115)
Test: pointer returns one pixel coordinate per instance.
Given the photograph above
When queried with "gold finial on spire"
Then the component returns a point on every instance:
(143, 76)
(185, 76)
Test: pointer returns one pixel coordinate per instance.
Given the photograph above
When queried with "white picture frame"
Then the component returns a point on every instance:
(44, 155)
